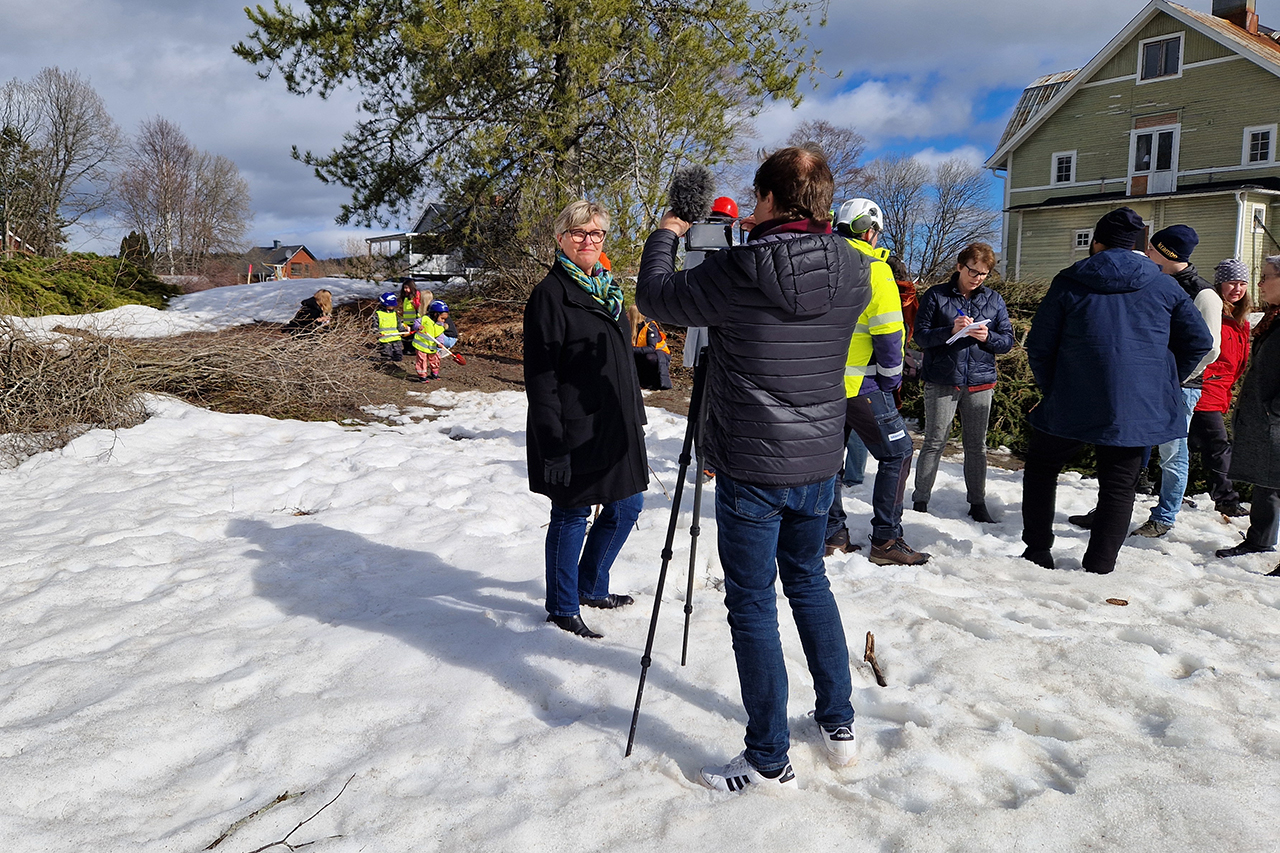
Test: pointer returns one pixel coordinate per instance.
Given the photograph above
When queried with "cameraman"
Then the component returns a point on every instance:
(781, 309)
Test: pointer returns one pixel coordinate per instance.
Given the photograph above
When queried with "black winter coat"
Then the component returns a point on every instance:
(781, 312)
(1255, 448)
(968, 361)
(584, 398)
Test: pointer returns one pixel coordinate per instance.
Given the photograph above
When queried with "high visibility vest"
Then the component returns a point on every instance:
(429, 327)
(410, 312)
(389, 327)
(642, 337)
(883, 316)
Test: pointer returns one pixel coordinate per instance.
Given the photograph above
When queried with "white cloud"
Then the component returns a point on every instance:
(932, 157)
(880, 111)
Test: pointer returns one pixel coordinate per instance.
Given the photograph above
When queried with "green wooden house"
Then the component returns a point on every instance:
(1175, 118)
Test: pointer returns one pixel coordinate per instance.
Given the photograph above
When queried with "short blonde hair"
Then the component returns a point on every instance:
(325, 300)
(579, 213)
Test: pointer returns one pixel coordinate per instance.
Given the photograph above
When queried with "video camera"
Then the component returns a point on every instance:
(703, 238)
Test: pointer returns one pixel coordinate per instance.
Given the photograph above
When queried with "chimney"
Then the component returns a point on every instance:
(275, 244)
(1239, 12)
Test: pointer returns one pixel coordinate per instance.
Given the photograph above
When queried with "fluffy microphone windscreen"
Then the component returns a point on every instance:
(692, 188)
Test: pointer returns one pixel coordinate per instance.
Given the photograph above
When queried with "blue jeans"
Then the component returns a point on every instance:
(876, 421)
(1173, 467)
(766, 534)
(575, 572)
(855, 461)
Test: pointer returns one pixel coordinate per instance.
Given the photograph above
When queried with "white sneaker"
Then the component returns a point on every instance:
(841, 743)
(739, 773)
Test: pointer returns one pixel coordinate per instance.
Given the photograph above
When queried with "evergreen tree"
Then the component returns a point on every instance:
(509, 109)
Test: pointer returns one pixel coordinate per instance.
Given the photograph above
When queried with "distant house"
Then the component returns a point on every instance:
(1176, 118)
(278, 262)
(436, 220)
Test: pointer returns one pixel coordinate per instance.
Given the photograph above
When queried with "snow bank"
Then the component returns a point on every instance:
(208, 610)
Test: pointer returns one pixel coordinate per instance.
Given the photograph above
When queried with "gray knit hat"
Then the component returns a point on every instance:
(1232, 269)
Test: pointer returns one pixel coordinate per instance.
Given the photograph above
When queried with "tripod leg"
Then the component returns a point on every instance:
(695, 403)
(694, 530)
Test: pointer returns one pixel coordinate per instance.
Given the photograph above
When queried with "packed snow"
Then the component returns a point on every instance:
(207, 611)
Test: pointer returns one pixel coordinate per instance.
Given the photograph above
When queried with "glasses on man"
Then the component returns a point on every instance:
(977, 273)
(578, 235)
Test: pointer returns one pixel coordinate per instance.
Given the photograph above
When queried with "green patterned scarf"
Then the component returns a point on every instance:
(599, 284)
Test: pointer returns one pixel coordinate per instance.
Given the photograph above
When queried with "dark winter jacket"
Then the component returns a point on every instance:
(1221, 376)
(781, 311)
(584, 400)
(967, 361)
(310, 318)
(1255, 448)
(1110, 343)
(1209, 304)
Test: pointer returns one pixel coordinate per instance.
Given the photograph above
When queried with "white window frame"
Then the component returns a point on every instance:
(1154, 131)
(1142, 49)
(1053, 168)
(1087, 234)
(1244, 146)
(1256, 212)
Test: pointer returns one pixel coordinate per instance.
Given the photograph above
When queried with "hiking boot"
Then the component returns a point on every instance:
(1041, 557)
(920, 506)
(1274, 573)
(1231, 509)
(896, 552)
(1240, 550)
(1085, 521)
(841, 743)
(574, 625)
(1145, 486)
(1152, 529)
(840, 542)
(980, 513)
(739, 773)
(609, 602)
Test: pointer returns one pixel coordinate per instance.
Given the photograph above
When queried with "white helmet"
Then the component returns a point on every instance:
(859, 214)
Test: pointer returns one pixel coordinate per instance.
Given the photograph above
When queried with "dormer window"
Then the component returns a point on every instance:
(1259, 145)
(1064, 168)
(1159, 58)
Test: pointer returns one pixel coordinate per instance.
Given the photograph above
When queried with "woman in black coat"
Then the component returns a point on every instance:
(585, 435)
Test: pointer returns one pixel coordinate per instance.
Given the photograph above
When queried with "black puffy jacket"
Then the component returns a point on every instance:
(781, 312)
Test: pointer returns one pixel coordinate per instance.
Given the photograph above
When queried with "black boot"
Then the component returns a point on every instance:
(574, 625)
(609, 602)
(980, 513)
(1039, 556)
(920, 506)
(1145, 486)
(1085, 521)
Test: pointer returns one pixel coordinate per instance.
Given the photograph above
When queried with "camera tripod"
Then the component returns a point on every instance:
(692, 439)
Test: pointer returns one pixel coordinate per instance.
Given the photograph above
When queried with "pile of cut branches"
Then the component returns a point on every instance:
(52, 390)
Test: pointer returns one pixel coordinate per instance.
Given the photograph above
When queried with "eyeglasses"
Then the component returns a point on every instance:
(580, 236)
(976, 273)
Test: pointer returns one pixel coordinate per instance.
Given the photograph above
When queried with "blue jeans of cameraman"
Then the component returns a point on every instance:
(575, 571)
(765, 535)
(877, 422)
(1174, 466)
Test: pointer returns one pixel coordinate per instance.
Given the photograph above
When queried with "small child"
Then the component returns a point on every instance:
(439, 312)
(427, 362)
(390, 328)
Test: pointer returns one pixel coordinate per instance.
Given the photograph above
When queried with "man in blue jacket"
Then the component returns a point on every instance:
(781, 309)
(1109, 347)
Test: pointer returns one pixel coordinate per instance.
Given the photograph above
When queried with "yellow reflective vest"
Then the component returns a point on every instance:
(875, 350)
(389, 327)
(429, 327)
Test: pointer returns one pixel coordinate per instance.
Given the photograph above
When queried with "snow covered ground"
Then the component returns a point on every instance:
(206, 311)
(206, 611)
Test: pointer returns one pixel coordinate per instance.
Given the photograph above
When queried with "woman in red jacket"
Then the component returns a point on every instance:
(1208, 433)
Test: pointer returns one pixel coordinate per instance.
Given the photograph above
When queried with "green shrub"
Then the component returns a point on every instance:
(77, 284)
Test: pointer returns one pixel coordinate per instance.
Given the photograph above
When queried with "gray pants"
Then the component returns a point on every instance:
(940, 404)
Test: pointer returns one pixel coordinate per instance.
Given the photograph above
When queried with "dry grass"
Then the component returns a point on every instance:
(52, 391)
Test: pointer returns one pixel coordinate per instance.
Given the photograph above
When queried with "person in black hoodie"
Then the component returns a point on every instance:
(781, 309)
(585, 435)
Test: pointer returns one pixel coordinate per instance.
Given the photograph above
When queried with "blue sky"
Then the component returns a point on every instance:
(924, 77)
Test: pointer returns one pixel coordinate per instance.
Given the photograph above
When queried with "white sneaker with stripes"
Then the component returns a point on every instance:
(841, 744)
(739, 773)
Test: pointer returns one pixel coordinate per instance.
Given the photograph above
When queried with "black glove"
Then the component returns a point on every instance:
(555, 470)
